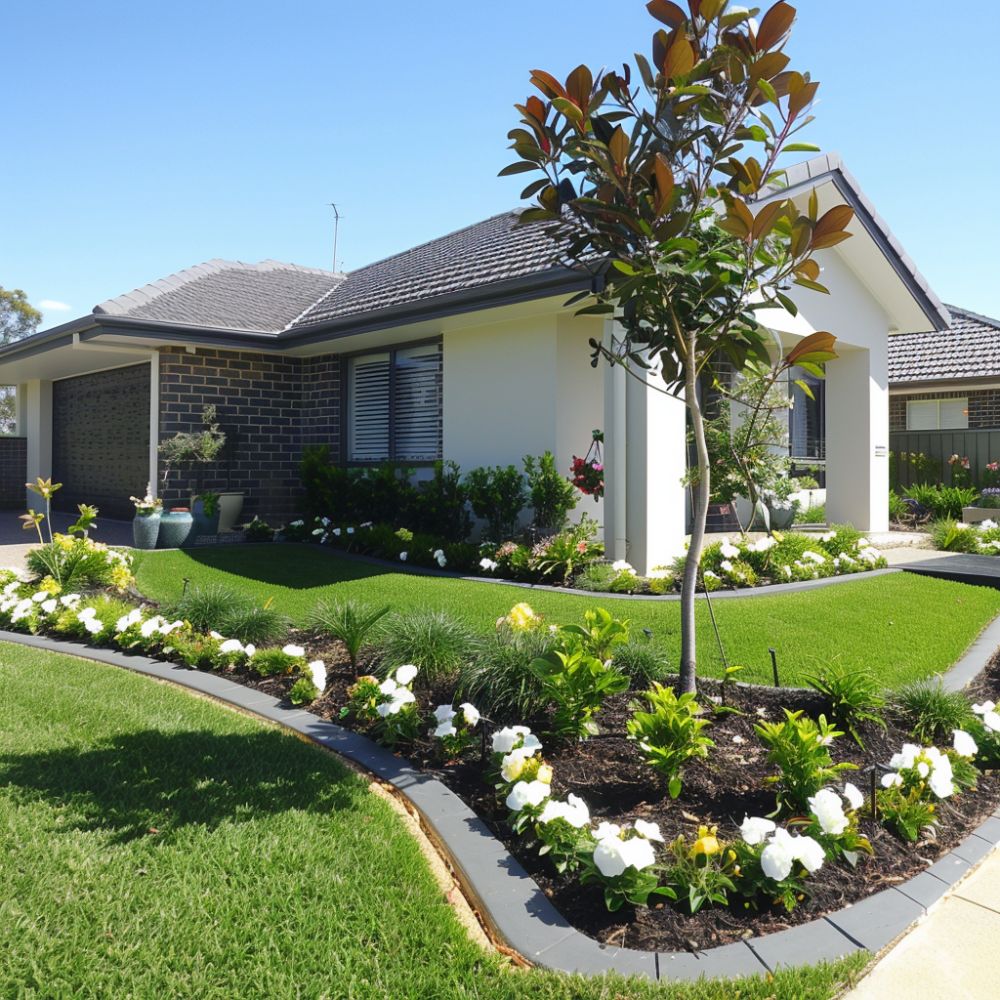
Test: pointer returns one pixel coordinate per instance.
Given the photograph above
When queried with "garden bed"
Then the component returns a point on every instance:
(609, 773)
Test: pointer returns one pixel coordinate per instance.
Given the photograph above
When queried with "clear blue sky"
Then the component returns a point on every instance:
(143, 137)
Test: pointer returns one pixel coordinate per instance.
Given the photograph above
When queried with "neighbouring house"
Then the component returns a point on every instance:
(462, 348)
(944, 395)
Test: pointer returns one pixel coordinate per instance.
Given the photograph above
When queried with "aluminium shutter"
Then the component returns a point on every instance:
(368, 408)
(417, 420)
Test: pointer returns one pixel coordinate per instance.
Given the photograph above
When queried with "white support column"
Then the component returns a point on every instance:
(21, 410)
(154, 422)
(38, 413)
(857, 438)
(657, 460)
(615, 456)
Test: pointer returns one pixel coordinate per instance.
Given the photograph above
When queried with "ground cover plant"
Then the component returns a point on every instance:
(212, 834)
(901, 627)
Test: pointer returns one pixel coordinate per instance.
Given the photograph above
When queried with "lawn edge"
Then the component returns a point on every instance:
(510, 901)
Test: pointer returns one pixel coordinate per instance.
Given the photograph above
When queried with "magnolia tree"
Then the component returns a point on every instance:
(664, 179)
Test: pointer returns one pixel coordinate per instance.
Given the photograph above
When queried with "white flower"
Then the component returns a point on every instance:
(828, 536)
(398, 697)
(891, 780)
(50, 605)
(991, 720)
(870, 555)
(126, 621)
(70, 600)
(923, 768)
(574, 811)
(470, 713)
(217, 636)
(828, 809)
(446, 728)
(622, 566)
(726, 566)
(987, 525)
(612, 855)
(296, 524)
(512, 765)
(986, 706)
(504, 740)
(606, 829)
(86, 613)
(659, 573)
(93, 625)
(755, 829)
(810, 852)
(814, 557)
(250, 649)
(709, 575)
(764, 544)
(906, 757)
(651, 831)
(441, 561)
(406, 673)
(292, 650)
(231, 646)
(438, 554)
(42, 595)
(151, 625)
(487, 565)
(444, 713)
(388, 686)
(336, 532)
(728, 550)
(350, 531)
(853, 795)
(402, 556)
(527, 793)
(317, 671)
(964, 744)
(318, 531)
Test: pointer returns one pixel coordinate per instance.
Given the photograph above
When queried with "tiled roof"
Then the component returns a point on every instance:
(969, 349)
(490, 251)
(227, 295)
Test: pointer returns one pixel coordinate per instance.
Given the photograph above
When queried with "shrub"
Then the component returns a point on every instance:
(898, 509)
(440, 505)
(499, 679)
(551, 494)
(258, 531)
(439, 644)
(642, 662)
(954, 536)
(277, 662)
(79, 563)
(670, 734)
(604, 578)
(349, 622)
(204, 607)
(564, 554)
(853, 697)
(257, 624)
(931, 712)
(497, 495)
(703, 871)
(842, 539)
(943, 501)
(815, 514)
(799, 748)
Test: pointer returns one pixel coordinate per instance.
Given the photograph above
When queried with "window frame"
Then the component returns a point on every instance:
(937, 406)
(345, 405)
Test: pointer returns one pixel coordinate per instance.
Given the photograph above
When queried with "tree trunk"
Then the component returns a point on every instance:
(689, 659)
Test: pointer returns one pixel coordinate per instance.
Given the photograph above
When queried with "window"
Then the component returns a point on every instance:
(937, 414)
(394, 405)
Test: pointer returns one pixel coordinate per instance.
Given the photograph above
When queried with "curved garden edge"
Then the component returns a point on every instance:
(510, 901)
(761, 591)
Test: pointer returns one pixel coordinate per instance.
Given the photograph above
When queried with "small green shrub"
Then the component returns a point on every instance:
(562, 555)
(816, 514)
(276, 662)
(954, 536)
(437, 643)
(944, 502)
(253, 623)
(75, 563)
(908, 812)
(670, 734)
(204, 607)
(499, 679)
(498, 496)
(853, 696)
(841, 539)
(641, 662)
(898, 509)
(440, 506)
(932, 712)
(303, 691)
(799, 747)
(350, 622)
(258, 530)
(551, 494)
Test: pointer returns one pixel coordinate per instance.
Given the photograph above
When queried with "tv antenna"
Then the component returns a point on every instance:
(336, 232)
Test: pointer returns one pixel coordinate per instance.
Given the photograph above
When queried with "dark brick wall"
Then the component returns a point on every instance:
(984, 407)
(100, 439)
(268, 405)
(13, 472)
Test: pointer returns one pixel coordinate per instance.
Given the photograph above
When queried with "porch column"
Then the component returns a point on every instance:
(857, 437)
(615, 456)
(21, 410)
(656, 451)
(38, 430)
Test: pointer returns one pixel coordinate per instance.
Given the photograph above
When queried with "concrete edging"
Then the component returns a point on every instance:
(511, 902)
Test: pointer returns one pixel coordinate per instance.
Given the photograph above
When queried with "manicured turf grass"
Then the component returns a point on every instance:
(153, 844)
(900, 625)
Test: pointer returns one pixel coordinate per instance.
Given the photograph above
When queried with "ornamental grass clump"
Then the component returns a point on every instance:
(853, 697)
(931, 711)
(215, 608)
(441, 644)
(670, 733)
(799, 747)
(641, 662)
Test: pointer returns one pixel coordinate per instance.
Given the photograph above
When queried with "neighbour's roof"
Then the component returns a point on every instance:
(970, 349)
(227, 295)
(494, 250)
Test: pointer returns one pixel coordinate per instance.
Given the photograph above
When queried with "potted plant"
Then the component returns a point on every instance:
(146, 523)
(194, 448)
(205, 511)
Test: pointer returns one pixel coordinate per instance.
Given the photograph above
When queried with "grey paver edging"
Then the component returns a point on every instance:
(511, 902)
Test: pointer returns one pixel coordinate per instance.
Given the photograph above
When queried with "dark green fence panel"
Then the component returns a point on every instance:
(980, 447)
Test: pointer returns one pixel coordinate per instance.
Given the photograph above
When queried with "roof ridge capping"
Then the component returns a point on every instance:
(122, 305)
(978, 317)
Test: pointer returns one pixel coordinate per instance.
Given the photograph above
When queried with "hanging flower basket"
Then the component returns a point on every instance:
(588, 473)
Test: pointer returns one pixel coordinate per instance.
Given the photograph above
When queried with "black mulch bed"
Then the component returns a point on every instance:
(608, 773)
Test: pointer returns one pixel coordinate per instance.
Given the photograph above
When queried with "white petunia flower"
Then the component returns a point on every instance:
(651, 831)
(574, 811)
(446, 728)
(755, 829)
(853, 795)
(406, 673)
(828, 808)
(964, 744)
(231, 646)
(444, 713)
(622, 566)
(891, 780)
(512, 766)
(728, 550)
(470, 713)
(487, 565)
(292, 650)
(527, 793)
(317, 671)
(50, 605)
(402, 556)
(606, 829)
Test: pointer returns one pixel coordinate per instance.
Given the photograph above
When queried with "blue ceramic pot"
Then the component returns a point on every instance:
(145, 529)
(176, 528)
(204, 524)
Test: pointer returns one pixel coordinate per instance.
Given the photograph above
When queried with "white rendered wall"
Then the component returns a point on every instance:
(38, 430)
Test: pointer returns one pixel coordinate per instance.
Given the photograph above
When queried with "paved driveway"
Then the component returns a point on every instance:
(15, 541)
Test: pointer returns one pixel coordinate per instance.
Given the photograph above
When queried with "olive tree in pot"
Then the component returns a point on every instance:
(196, 449)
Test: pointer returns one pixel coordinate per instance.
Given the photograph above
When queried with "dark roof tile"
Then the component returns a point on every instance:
(969, 349)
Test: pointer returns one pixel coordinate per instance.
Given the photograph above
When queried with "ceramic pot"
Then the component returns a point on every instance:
(204, 524)
(145, 529)
(176, 528)
(230, 508)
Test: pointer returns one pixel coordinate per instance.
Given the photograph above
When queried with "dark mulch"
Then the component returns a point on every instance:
(608, 773)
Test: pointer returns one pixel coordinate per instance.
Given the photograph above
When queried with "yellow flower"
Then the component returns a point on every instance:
(544, 774)
(50, 586)
(521, 617)
(121, 577)
(707, 842)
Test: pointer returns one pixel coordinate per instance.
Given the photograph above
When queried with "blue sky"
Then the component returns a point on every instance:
(145, 137)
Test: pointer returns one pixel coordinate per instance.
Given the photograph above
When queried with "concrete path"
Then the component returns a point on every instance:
(15, 541)
(952, 953)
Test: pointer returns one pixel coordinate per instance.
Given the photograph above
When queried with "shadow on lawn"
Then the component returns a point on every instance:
(137, 783)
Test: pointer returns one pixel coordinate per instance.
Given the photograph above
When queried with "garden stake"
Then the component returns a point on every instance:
(185, 590)
(715, 627)
(874, 789)
(774, 666)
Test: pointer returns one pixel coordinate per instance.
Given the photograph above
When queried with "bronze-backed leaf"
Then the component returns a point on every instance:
(820, 342)
(680, 59)
(666, 12)
(766, 219)
(619, 146)
(801, 235)
(802, 98)
(769, 66)
(740, 210)
(711, 9)
(547, 83)
(832, 240)
(809, 269)
(579, 86)
(536, 109)
(837, 219)
(776, 24)
(664, 183)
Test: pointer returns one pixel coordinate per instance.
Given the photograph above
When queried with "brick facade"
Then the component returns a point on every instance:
(100, 439)
(269, 407)
(984, 407)
(13, 472)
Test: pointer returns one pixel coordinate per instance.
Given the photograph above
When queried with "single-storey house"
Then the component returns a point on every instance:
(463, 348)
(944, 393)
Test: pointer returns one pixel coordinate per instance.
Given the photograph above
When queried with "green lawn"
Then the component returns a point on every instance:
(902, 626)
(154, 844)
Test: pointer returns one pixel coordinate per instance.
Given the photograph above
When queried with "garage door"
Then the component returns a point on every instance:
(100, 439)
